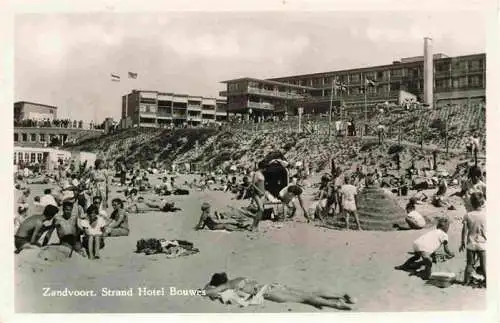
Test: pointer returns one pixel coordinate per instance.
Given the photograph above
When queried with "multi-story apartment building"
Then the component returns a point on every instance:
(36, 111)
(456, 80)
(158, 109)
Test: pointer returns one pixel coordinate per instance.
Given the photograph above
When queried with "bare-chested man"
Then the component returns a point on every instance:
(258, 195)
(66, 226)
(32, 229)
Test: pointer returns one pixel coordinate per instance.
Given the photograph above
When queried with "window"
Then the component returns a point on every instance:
(16, 136)
(39, 157)
(20, 157)
(24, 137)
(441, 84)
(26, 157)
(33, 158)
(396, 73)
(152, 108)
(142, 108)
(462, 82)
(442, 67)
(33, 137)
(354, 77)
(475, 65)
(42, 137)
(15, 158)
(475, 81)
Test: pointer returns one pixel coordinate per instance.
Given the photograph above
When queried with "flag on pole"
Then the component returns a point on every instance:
(132, 75)
(370, 82)
(115, 78)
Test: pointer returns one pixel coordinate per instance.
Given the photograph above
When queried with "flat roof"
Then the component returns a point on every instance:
(369, 68)
(269, 81)
(40, 104)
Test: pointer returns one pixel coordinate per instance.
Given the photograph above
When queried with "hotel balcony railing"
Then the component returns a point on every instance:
(284, 95)
(261, 106)
(179, 116)
(194, 107)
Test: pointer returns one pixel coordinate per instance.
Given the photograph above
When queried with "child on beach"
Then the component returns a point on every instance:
(414, 219)
(22, 212)
(93, 227)
(426, 246)
(474, 236)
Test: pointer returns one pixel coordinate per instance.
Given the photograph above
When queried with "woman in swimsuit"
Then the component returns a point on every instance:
(276, 292)
(118, 225)
(100, 185)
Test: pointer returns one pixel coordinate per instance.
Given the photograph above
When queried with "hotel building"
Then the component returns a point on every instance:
(158, 109)
(435, 80)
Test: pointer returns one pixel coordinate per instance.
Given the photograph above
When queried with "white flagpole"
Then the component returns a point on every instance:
(330, 113)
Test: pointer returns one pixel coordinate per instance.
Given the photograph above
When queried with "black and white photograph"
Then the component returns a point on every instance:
(271, 161)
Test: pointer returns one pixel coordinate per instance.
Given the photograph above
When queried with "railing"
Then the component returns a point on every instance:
(286, 95)
(262, 106)
(58, 123)
(194, 107)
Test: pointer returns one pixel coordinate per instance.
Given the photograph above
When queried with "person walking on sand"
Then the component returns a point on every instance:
(349, 195)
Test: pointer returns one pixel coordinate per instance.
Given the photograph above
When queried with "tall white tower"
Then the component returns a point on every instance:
(428, 72)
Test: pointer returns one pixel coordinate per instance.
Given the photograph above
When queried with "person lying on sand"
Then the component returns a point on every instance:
(32, 229)
(425, 247)
(141, 206)
(249, 290)
(206, 220)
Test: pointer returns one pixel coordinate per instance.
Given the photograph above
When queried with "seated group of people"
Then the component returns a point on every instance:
(77, 226)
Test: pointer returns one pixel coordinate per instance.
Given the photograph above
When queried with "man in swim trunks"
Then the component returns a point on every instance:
(258, 193)
(32, 229)
(247, 288)
(66, 226)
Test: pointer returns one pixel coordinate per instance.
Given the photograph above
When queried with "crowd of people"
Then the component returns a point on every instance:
(57, 123)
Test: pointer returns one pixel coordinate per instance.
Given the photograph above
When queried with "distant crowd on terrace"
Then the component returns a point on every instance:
(56, 123)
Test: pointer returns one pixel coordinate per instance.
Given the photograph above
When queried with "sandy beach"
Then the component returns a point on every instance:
(294, 253)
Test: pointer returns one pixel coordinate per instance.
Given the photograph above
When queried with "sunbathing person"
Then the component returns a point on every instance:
(206, 220)
(249, 290)
(140, 205)
(33, 227)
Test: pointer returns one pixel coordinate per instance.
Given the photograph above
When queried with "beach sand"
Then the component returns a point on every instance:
(292, 253)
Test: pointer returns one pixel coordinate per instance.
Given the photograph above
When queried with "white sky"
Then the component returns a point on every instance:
(66, 59)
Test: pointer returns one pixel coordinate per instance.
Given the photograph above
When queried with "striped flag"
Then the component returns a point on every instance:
(115, 78)
(132, 75)
(340, 86)
(370, 82)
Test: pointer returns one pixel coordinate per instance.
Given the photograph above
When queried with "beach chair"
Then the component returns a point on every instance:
(276, 178)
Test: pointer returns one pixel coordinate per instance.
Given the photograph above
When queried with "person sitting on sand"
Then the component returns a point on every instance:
(250, 291)
(414, 219)
(439, 199)
(288, 194)
(93, 227)
(97, 202)
(349, 195)
(32, 229)
(22, 214)
(474, 236)
(206, 220)
(426, 246)
(66, 226)
(118, 225)
(48, 198)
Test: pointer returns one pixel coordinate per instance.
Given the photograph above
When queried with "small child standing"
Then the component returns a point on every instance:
(474, 236)
(93, 227)
(426, 246)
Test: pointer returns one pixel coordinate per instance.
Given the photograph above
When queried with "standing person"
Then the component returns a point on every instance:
(381, 133)
(474, 236)
(473, 184)
(258, 193)
(123, 173)
(349, 195)
(118, 225)
(475, 147)
(100, 181)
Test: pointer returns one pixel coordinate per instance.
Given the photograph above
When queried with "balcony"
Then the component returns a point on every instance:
(283, 95)
(194, 107)
(260, 106)
(164, 115)
(179, 116)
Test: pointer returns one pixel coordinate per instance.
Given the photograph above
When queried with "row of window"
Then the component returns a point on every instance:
(32, 137)
(25, 157)
(462, 66)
